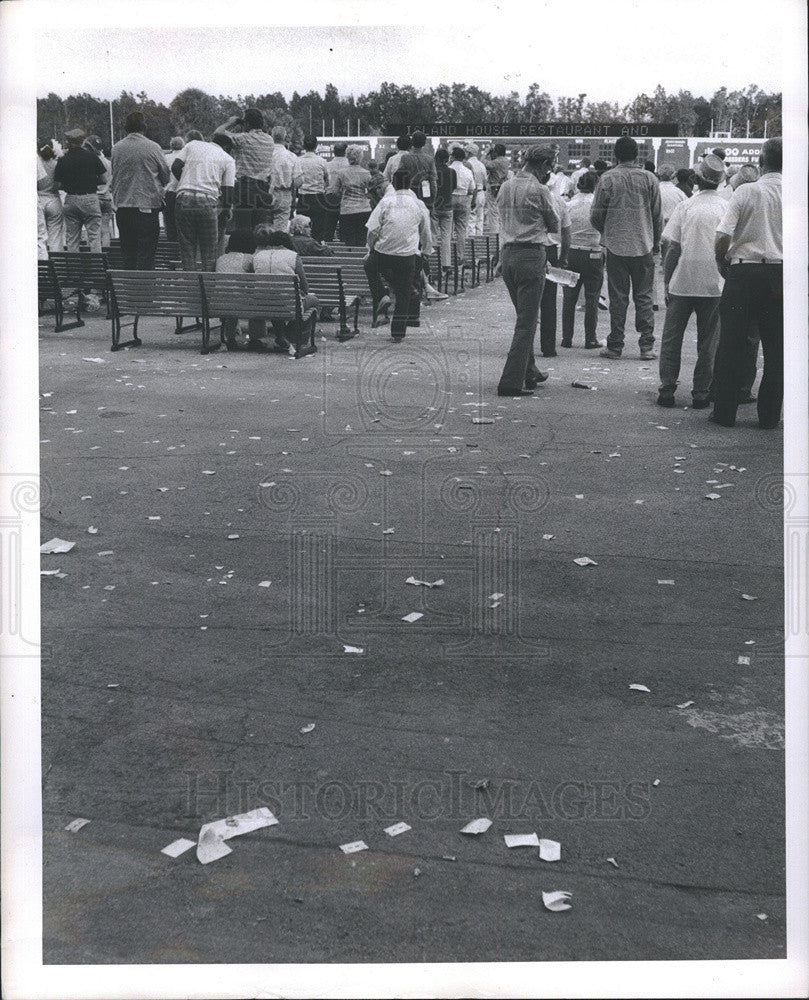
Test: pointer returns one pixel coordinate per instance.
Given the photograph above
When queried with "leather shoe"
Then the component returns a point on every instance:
(715, 420)
(746, 397)
(665, 399)
(612, 355)
(700, 404)
(648, 355)
(593, 345)
(514, 392)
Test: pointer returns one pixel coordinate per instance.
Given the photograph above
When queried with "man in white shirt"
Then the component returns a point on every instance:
(750, 256)
(479, 200)
(692, 283)
(205, 171)
(397, 228)
(557, 247)
(670, 194)
(462, 196)
(583, 168)
(586, 257)
(282, 177)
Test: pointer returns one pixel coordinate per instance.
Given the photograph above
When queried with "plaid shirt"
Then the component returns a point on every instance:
(252, 152)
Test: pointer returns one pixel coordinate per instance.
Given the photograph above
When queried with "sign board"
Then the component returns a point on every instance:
(737, 151)
(675, 152)
(325, 148)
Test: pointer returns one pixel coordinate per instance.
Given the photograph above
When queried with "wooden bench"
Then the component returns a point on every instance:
(82, 271)
(326, 281)
(259, 296)
(155, 293)
(355, 280)
(48, 287)
(167, 256)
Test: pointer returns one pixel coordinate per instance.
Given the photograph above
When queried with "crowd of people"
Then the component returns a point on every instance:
(244, 201)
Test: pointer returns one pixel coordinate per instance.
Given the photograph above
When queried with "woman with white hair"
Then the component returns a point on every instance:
(300, 229)
(352, 186)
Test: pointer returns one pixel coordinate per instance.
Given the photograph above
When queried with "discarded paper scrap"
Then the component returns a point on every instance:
(521, 840)
(396, 829)
(482, 420)
(585, 561)
(748, 597)
(556, 901)
(550, 850)
(424, 583)
(177, 847)
(477, 825)
(413, 617)
(210, 846)
(686, 704)
(76, 824)
(613, 862)
(353, 847)
(353, 649)
(56, 545)
(639, 687)
(234, 826)
(307, 728)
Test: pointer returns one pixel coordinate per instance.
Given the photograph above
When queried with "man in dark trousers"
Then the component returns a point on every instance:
(139, 175)
(750, 256)
(526, 216)
(627, 212)
(398, 232)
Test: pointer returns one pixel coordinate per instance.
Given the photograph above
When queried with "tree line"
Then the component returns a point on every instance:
(369, 113)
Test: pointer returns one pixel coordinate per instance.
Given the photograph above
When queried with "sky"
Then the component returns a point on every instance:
(610, 51)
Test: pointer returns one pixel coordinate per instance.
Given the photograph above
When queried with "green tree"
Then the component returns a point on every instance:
(193, 108)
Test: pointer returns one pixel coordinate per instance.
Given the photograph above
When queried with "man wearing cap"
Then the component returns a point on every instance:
(627, 212)
(526, 214)
(79, 172)
(479, 198)
(139, 175)
(749, 254)
(692, 284)
(50, 215)
(282, 178)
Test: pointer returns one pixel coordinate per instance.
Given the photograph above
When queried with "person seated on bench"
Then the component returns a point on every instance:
(237, 260)
(300, 230)
(275, 254)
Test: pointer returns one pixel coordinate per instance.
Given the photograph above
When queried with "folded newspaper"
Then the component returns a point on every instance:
(562, 276)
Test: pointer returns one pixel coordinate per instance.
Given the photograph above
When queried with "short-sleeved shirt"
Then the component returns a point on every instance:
(284, 165)
(670, 198)
(478, 172)
(253, 152)
(171, 156)
(45, 171)
(753, 220)
(275, 260)
(104, 187)
(393, 163)
(497, 170)
(559, 203)
(311, 173)
(402, 222)
(352, 186)
(464, 179)
(78, 171)
(693, 225)
(582, 234)
(139, 172)
(207, 168)
(234, 263)
(525, 208)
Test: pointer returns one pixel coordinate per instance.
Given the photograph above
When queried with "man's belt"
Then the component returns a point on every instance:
(587, 249)
(761, 260)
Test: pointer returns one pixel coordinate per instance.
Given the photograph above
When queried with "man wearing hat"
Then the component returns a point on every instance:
(527, 215)
(749, 253)
(627, 212)
(79, 172)
(693, 284)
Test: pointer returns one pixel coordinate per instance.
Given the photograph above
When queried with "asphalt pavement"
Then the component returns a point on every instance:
(245, 527)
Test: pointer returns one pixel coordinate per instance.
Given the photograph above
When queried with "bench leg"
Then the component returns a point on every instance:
(116, 335)
(306, 337)
(345, 333)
